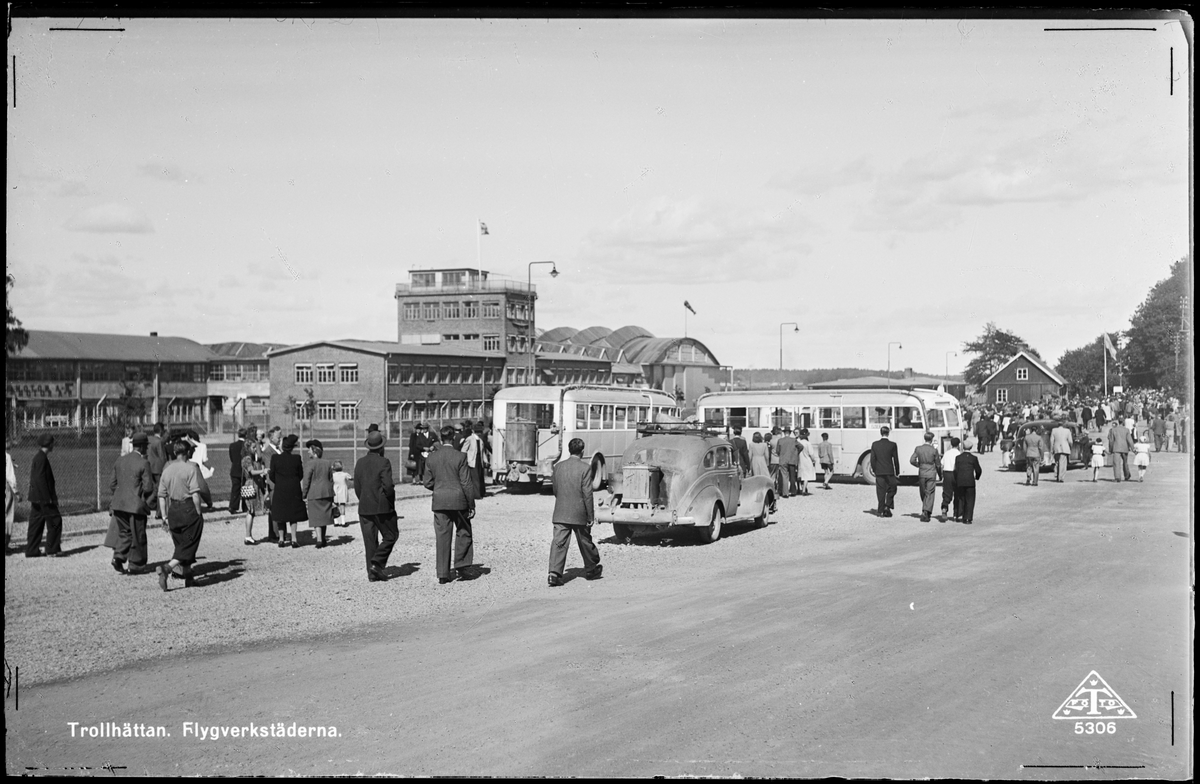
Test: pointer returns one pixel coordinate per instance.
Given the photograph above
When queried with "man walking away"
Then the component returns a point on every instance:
(789, 459)
(1120, 444)
(742, 450)
(1060, 447)
(447, 475)
(1034, 449)
(235, 472)
(43, 498)
(133, 492)
(948, 490)
(929, 470)
(1159, 428)
(156, 453)
(966, 473)
(574, 513)
(373, 482)
(825, 456)
(885, 464)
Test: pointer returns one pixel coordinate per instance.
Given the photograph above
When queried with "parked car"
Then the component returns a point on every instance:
(683, 476)
(1081, 449)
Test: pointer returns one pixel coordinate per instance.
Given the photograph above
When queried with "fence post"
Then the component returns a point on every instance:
(96, 416)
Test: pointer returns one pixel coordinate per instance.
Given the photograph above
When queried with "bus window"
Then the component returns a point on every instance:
(951, 417)
(737, 418)
(541, 413)
(594, 412)
(581, 417)
(643, 414)
(753, 416)
(829, 417)
(879, 416)
(608, 418)
(853, 417)
(805, 418)
(622, 423)
(781, 418)
(935, 418)
(714, 417)
(908, 417)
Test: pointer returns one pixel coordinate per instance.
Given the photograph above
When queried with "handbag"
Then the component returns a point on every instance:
(337, 512)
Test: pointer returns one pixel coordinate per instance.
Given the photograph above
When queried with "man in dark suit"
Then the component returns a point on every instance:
(789, 460)
(966, 473)
(885, 464)
(929, 471)
(447, 475)
(1120, 444)
(418, 446)
(43, 498)
(574, 512)
(376, 506)
(156, 453)
(235, 472)
(742, 450)
(1034, 450)
(133, 492)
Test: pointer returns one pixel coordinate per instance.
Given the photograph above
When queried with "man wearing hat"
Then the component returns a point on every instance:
(376, 506)
(418, 449)
(156, 453)
(43, 498)
(447, 475)
(235, 472)
(133, 491)
(885, 464)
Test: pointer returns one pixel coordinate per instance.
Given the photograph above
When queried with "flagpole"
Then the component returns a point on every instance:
(479, 247)
(1105, 370)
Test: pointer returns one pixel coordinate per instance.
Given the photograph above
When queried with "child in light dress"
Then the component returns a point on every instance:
(341, 492)
(1097, 457)
(1141, 457)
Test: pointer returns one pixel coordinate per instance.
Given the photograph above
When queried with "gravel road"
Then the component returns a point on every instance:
(831, 643)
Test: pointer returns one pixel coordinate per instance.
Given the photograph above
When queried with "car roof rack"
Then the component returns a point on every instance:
(674, 428)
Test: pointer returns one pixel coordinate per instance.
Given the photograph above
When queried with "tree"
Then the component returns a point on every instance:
(1158, 350)
(15, 336)
(994, 347)
(1083, 367)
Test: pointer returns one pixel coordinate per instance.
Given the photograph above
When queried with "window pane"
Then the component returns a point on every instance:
(854, 417)
(936, 418)
(621, 422)
(909, 417)
(753, 416)
(608, 417)
(594, 417)
(737, 417)
(951, 418)
(829, 417)
(880, 416)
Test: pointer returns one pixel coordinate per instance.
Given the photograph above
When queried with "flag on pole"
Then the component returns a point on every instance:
(688, 305)
(482, 227)
(1109, 347)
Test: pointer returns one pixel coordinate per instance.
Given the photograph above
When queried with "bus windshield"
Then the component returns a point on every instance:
(540, 413)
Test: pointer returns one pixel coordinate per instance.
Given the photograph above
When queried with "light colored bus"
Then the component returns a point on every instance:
(531, 427)
(851, 417)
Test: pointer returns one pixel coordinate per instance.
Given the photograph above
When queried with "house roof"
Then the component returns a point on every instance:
(882, 382)
(96, 347)
(243, 350)
(1039, 364)
(383, 349)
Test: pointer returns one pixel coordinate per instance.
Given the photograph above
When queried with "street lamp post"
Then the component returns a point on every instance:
(948, 353)
(781, 326)
(532, 321)
(889, 368)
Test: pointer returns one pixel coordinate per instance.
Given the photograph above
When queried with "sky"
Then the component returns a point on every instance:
(875, 181)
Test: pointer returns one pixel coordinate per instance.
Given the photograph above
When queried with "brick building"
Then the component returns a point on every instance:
(239, 384)
(1023, 378)
(340, 386)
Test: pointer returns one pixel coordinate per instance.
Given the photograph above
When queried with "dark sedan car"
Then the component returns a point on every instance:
(1080, 445)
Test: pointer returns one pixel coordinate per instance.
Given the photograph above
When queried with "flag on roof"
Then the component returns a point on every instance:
(688, 305)
(482, 227)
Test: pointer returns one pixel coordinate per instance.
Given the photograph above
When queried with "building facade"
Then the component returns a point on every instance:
(335, 389)
(239, 385)
(1022, 379)
(470, 309)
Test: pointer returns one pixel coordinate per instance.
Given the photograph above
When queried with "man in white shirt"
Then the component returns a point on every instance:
(948, 478)
(11, 495)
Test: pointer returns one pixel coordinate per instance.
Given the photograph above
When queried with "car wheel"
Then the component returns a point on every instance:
(599, 477)
(624, 533)
(712, 532)
(764, 519)
(865, 466)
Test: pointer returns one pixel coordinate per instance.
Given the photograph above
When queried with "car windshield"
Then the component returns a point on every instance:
(656, 456)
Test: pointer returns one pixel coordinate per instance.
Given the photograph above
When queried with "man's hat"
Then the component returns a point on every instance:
(141, 439)
(45, 439)
(290, 441)
(372, 428)
(374, 439)
(314, 442)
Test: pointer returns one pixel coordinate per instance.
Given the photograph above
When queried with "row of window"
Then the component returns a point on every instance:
(442, 374)
(845, 417)
(329, 411)
(239, 371)
(106, 371)
(591, 416)
(327, 373)
(419, 411)
(430, 310)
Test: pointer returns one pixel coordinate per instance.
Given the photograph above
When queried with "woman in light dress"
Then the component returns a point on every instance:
(317, 488)
(759, 451)
(807, 472)
(1097, 457)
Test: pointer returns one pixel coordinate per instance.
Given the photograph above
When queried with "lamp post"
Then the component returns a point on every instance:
(889, 368)
(532, 322)
(948, 353)
(781, 326)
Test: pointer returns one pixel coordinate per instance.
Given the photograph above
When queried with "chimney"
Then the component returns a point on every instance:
(908, 372)
(153, 334)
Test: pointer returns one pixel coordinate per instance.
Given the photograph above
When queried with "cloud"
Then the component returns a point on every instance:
(167, 172)
(665, 241)
(109, 219)
(819, 179)
(73, 188)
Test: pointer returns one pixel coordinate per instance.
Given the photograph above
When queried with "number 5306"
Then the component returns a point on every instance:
(1095, 728)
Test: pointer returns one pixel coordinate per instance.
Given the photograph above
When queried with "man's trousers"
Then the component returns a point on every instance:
(44, 517)
(928, 486)
(131, 539)
(885, 491)
(453, 526)
(1060, 466)
(1033, 469)
(948, 494)
(964, 503)
(375, 526)
(562, 542)
(1121, 466)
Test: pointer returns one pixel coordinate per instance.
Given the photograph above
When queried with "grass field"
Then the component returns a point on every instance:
(75, 473)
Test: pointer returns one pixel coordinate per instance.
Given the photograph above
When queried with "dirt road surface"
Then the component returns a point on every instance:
(832, 643)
